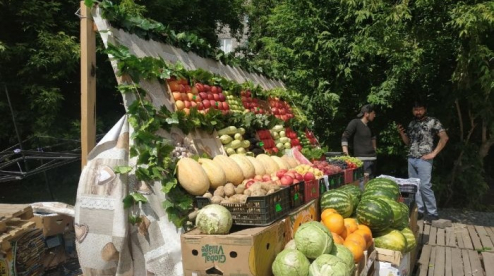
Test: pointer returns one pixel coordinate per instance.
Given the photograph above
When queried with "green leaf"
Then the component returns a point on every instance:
(169, 184)
(122, 169)
(137, 197)
(128, 201)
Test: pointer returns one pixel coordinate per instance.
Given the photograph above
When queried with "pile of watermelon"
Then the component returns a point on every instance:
(378, 208)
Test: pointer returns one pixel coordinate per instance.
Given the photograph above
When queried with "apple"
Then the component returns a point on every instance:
(213, 104)
(220, 89)
(207, 88)
(187, 88)
(193, 104)
(203, 95)
(258, 177)
(179, 105)
(216, 97)
(281, 172)
(286, 180)
(290, 174)
(214, 89)
(199, 87)
(187, 104)
(190, 96)
(225, 106)
(299, 177)
(194, 90)
(187, 111)
(266, 178)
(210, 96)
(206, 103)
(249, 183)
(200, 106)
(221, 96)
(174, 85)
(177, 96)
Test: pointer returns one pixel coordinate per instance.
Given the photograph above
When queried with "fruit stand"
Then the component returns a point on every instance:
(214, 170)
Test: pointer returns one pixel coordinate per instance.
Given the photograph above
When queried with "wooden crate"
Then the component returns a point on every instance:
(22, 211)
(449, 261)
(14, 230)
(461, 236)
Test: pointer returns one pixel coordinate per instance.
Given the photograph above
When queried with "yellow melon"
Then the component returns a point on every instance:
(192, 176)
(258, 167)
(232, 171)
(214, 172)
(247, 168)
(269, 164)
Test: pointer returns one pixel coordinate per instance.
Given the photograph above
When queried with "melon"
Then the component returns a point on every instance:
(245, 165)
(282, 164)
(258, 166)
(269, 164)
(214, 172)
(192, 176)
(375, 213)
(232, 171)
(290, 160)
(339, 200)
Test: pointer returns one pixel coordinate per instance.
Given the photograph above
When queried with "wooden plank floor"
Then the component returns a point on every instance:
(449, 261)
(459, 235)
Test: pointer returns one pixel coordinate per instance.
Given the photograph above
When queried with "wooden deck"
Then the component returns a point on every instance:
(459, 250)
(14, 222)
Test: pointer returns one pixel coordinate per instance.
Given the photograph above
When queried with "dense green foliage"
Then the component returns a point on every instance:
(342, 54)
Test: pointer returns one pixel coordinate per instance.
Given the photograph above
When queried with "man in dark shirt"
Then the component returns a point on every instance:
(419, 136)
(364, 140)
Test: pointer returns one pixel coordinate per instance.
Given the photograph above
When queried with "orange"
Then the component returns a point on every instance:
(351, 224)
(345, 233)
(337, 238)
(334, 222)
(356, 238)
(366, 236)
(365, 228)
(327, 212)
(356, 250)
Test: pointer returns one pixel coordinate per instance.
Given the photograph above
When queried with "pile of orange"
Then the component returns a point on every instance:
(346, 231)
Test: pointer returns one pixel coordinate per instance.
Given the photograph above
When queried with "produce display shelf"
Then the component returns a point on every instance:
(311, 190)
(297, 194)
(348, 176)
(358, 173)
(336, 180)
(257, 210)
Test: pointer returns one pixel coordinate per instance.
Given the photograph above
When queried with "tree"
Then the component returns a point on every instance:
(342, 54)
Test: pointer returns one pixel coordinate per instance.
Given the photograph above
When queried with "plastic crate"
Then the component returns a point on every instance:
(311, 190)
(297, 194)
(322, 186)
(348, 176)
(336, 180)
(358, 173)
(258, 210)
(406, 189)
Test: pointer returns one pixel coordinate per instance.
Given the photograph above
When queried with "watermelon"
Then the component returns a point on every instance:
(375, 213)
(398, 213)
(339, 200)
(355, 192)
(392, 240)
(410, 237)
(384, 184)
(405, 220)
(380, 192)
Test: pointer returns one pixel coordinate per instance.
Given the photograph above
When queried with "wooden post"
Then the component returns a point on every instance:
(88, 83)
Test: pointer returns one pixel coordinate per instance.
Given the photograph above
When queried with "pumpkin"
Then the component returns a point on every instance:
(192, 176)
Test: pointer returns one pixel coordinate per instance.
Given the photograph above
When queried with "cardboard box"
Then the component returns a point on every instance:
(366, 266)
(305, 213)
(53, 224)
(384, 268)
(249, 252)
(6, 263)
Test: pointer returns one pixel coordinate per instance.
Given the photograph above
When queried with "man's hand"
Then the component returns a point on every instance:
(428, 156)
(400, 128)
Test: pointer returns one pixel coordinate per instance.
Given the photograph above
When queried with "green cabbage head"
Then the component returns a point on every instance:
(313, 239)
(345, 255)
(214, 219)
(290, 262)
(328, 265)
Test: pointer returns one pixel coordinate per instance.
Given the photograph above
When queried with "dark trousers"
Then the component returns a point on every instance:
(370, 168)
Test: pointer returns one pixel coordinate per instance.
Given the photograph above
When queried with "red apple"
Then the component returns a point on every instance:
(213, 104)
(216, 97)
(207, 88)
(299, 177)
(203, 95)
(281, 172)
(225, 106)
(214, 89)
(249, 183)
(200, 106)
(309, 176)
(220, 89)
(286, 180)
(221, 96)
(187, 104)
(266, 178)
(199, 87)
(206, 103)
(210, 96)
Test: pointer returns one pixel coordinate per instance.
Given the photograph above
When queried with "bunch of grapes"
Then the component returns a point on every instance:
(339, 163)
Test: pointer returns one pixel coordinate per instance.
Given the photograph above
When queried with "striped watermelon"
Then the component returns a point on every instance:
(384, 184)
(405, 220)
(355, 192)
(398, 213)
(410, 237)
(380, 192)
(339, 200)
(392, 240)
(375, 213)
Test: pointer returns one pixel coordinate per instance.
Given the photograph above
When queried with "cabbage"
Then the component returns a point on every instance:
(290, 245)
(313, 239)
(328, 265)
(214, 219)
(290, 262)
(345, 255)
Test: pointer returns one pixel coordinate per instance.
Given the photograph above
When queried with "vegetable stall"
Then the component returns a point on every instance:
(214, 170)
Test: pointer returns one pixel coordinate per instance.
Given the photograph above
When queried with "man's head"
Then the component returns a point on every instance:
(367, 113)
(419, 110)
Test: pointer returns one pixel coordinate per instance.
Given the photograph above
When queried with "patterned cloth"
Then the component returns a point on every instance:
(421, 134)
(107, 244)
